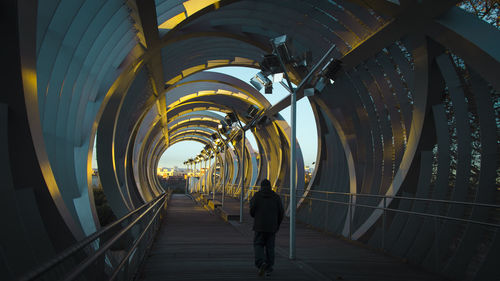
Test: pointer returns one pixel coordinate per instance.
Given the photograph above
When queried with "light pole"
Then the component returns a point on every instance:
(230, 119)
(242, 172)
(214, 190)
(293, 155)
(194, 174)
(214, 184)
(186, 178)
(190, 172)
(202, 168)
(329, 70)
(223, 154)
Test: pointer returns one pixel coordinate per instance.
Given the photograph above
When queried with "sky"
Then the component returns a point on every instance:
(306, 126)
(307, 135)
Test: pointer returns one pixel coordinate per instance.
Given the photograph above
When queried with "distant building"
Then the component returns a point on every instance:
(309, 169)
(170, 172)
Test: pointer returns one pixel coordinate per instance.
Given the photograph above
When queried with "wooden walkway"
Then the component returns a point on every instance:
(196, 244)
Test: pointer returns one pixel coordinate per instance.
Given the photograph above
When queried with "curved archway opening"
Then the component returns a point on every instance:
(171, 169)
(307, 131)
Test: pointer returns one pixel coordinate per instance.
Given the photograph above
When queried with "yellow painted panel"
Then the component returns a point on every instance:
(207, 92)
(174, 80)
(241, 95)
(187, 97)
(173, 21)
(213, 108)
(213, 63)
(139, 64)
(193, 6)
(190, 70)
(224, 92)
(173, 105)
(239, 60)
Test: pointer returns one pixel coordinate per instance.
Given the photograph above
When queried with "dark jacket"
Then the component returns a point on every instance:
(267, 210)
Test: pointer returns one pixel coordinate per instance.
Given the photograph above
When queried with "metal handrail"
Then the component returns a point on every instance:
(80, 245)
(406, 198)
(406, 212)
(87, 262)
(134, 246)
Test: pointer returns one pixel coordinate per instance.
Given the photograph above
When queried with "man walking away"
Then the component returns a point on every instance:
(267, 210)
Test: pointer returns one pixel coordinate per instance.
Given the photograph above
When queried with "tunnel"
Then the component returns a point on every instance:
(407, 124)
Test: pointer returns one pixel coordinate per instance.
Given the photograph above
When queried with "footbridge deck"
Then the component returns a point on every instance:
(195, 243)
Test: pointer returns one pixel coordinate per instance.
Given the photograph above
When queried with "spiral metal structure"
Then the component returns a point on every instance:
(413, 112)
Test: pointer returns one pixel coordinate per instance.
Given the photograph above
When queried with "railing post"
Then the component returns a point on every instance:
(310, 207)
(242, 191)
(350, 216)
(215, 175)
(436, 244)
(293, 170)
(224, 180)
(220, 177)
(326, 215)
(383, 226)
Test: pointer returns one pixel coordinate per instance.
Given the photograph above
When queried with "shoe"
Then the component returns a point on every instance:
(268, 271)
(262, 269)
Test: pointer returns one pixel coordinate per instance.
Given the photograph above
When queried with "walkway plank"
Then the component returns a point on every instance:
(195, 244)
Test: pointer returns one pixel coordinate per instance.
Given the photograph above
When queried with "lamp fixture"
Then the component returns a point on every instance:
(231, 118)
(282, 47)
(252, 111)
(270, 64)
(223, 128)
(236, 140)
(260, 80)
(331, 69)
(256, 83)
(325, 76)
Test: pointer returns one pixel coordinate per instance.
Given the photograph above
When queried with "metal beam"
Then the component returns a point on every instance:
(472, 39)
(411, 18)
(385, 7)
(144, 14)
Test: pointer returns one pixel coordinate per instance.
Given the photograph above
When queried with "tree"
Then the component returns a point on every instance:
(487, 10)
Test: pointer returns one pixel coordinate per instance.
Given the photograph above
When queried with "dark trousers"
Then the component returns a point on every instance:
(263, 245)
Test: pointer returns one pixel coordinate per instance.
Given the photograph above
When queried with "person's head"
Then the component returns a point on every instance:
(265, 184)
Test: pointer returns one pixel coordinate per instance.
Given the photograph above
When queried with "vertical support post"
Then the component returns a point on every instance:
(436, 244)
(204, 172)
(187, 180)
(215, 174)
(224, 180)
(194, 175)
(293, 165)
(293, 172)
(210, 164)
(242, 190)
(213, 194)
(350, 216)
(326, 214)
(383, 225)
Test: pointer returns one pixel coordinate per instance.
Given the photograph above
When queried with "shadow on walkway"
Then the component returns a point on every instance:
(196, 244)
